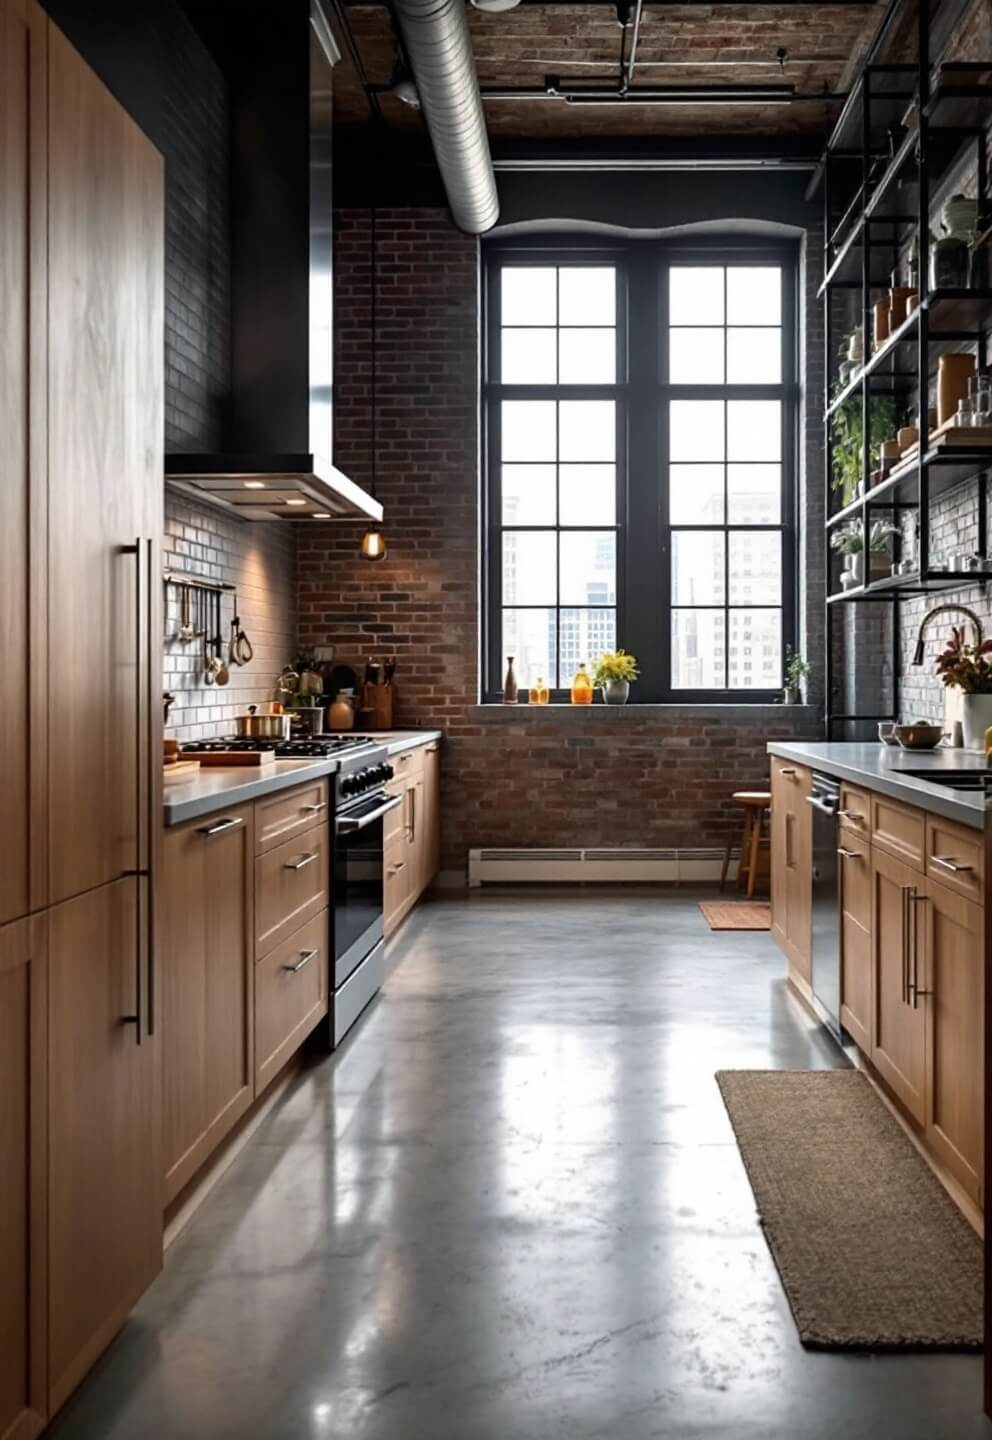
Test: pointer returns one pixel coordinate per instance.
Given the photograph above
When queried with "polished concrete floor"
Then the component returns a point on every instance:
(511, 1208)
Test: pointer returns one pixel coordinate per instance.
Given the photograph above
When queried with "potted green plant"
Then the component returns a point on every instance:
(968, 668)
(847, 442)
(797, 672)
(614, 672)
(849, 542)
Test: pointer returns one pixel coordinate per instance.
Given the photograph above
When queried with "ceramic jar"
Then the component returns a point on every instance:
(899, 304)
(976, 717)
(953, 373)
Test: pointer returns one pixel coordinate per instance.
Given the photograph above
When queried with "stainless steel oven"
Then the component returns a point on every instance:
(360, 806)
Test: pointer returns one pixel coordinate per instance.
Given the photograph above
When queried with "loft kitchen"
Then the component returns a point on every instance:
(493, 904)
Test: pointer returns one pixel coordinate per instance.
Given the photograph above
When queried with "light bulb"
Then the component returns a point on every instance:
(373, 546)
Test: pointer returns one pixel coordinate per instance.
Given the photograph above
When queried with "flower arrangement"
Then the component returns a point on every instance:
(615, 665)
(966, 667)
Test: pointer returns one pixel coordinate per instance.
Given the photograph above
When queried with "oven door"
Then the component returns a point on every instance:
(357, 895)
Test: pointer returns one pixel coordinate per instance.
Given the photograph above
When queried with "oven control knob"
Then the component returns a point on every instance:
(348, 787)
(387, 771)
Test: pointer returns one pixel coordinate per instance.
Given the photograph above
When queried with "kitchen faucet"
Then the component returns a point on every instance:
(945, 610)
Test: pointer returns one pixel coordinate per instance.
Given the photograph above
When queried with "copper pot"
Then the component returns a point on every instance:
(263, 727)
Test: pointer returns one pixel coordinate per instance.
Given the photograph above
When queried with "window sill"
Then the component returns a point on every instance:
(758, 710)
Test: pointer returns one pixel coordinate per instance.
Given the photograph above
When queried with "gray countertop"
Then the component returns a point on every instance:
(216, 786)
(883, 767)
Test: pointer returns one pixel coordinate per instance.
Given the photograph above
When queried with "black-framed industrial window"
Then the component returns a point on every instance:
(639, 420)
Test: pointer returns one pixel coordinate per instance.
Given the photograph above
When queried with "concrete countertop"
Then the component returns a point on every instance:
(882, 768)
(216, 786)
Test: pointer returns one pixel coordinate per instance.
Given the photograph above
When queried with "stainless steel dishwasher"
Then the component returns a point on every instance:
(825, 978)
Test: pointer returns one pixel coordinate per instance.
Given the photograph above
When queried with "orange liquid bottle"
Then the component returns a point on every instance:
(582, 691)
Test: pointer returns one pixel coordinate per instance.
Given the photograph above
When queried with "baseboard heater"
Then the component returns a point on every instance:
(584, 867)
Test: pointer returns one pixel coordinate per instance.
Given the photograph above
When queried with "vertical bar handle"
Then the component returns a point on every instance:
(154, 759)
(904, 927)
(136, 871)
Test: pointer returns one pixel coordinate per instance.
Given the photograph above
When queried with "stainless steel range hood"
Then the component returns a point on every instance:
(277, 458)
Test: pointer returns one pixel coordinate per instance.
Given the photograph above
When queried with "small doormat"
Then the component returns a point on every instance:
(872, 1252)
(737, 914)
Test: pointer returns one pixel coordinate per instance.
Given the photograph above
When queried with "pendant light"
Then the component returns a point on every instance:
(373, 546)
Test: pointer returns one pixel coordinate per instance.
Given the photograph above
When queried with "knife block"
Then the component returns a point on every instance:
(381, 701)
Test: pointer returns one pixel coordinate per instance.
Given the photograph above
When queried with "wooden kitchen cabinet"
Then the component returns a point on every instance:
(208, 979)
(855, 883)
(431, 813)
(104, 1152)
(792, 867)
(292, 883)
(291, 995)
(105, 465)
(953, 974)
(412, 833)
(898, 1041)
(23, 479)
(23, 1189)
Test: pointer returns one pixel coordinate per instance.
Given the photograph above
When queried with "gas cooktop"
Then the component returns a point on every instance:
(313, 746)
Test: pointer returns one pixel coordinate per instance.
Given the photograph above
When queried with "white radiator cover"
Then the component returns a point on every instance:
(595, 866)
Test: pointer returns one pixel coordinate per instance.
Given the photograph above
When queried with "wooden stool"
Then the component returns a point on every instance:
(756, 805)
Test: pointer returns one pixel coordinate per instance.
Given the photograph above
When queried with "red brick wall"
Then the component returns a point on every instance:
(651, 776)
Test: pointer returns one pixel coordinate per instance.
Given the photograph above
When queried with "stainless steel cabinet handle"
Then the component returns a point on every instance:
(917, 992)
(854, 815)
(785, 770)
(849, 854)
(951, 865)
(314, 809)
(222, 825)
(154, 746)
(301, 864)
(305, 957)
(137, 872)
(905, 893)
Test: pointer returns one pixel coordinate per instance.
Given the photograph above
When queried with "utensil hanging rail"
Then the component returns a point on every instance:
(195, 582)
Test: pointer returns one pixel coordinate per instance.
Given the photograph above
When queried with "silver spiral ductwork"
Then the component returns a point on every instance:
(439, 48)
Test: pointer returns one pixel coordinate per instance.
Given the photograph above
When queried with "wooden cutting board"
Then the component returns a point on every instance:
(181, 770)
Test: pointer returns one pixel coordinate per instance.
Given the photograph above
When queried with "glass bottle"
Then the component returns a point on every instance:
(510, 684)
(540, 694)
(582, 691)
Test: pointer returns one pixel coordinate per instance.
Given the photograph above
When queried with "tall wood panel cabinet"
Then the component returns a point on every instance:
(23, 399)
(81, 419)
(23, 1187)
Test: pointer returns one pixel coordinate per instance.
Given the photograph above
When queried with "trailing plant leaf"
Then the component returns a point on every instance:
(847, 434)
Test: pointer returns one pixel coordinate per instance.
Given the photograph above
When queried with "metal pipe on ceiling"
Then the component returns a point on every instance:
(438, 46)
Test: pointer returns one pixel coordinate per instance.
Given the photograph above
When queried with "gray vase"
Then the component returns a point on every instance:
(616, 692)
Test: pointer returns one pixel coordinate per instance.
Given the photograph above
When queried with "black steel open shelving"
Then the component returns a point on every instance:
(903, 129)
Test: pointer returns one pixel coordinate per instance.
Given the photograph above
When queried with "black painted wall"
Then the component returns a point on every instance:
(151, 58)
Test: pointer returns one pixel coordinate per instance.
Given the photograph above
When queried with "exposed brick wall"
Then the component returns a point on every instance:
(259, 559)
(154, 62)
(658, 776)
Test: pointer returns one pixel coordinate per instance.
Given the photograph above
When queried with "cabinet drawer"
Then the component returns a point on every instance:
(291, 886)
(899, 829)
(289, 813)
(956, 857)
(790, 774)
(394, 822)
(855, 810)
(408, 763)
(291, 995)
(397, 880)
(854, 860)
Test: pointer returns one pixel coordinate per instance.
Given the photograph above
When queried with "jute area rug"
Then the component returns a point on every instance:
(872, 1252)
(737, 914)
